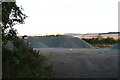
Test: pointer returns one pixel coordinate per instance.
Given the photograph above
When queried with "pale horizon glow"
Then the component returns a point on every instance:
(68, 16)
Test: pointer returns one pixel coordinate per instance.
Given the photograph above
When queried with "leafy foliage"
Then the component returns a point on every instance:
(24, 62)
(11, 15)
(20, 61)
(102, 42)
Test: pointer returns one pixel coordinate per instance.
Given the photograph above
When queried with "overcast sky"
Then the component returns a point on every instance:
(68, 16)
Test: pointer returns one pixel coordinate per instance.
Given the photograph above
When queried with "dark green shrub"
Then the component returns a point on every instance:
(24, 62)
(104, 42)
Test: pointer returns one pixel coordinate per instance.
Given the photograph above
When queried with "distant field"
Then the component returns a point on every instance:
(87, 36)
(114, 36)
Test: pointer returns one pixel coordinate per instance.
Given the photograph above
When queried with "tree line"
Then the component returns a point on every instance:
(102, 42)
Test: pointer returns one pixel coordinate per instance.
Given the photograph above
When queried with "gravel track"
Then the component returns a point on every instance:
(82, 63)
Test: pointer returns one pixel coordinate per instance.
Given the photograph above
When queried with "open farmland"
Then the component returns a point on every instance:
(88, 36)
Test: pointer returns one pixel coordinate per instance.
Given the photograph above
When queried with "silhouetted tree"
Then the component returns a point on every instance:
(11, 15)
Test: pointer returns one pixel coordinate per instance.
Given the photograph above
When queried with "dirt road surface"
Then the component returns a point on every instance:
(82, 63)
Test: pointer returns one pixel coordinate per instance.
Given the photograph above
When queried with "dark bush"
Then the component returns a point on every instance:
(24, 62)
(104, 42)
